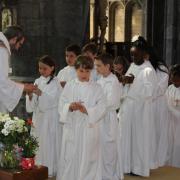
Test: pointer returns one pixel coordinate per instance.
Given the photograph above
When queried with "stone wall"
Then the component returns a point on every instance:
(49, 27)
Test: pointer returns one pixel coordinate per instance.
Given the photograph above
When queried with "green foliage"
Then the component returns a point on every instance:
(9, 159)
(29, 146)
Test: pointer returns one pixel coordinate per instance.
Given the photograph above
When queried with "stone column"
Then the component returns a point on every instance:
(164, 27)
(100, 22)
(176, 59)
(169, 31)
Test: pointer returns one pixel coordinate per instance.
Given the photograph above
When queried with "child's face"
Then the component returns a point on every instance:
(19, 43)
(101, 68)
(89, 54)
(70, 58)
(45, 70)
(137, 55)
(118, 68)
(83, 74)
(176, 81)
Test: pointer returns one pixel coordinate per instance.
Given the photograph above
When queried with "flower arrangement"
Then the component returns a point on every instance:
(15, 141)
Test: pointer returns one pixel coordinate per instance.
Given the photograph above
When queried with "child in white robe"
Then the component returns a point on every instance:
(44, 105)
(173, 99)
(162, 120)
(120, 66)
(82, 107)
(160, 107)
(68, 73)
(136, 112)
(109, 126)
(91, 51)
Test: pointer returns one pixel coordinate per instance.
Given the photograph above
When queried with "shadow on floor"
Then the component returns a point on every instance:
(164, 173)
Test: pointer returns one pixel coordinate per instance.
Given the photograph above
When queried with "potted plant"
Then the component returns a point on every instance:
(29, 147)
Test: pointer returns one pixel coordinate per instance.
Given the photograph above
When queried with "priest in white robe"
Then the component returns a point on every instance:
(10, 92)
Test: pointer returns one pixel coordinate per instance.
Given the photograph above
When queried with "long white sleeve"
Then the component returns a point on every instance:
(32, 104)
(10, 92)
(163, 79)
(145, 85)
(48, 99)
(173, 100)
(113, 95)
(64, 103)
(97, 112)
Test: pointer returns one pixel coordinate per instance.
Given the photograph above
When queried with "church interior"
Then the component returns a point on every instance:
(51, 25)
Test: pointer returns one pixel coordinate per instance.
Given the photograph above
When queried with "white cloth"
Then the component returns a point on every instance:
(10, 92)
(67, 74)
(80, 154)
(161, 116)
(173, 100)
(46, 122)
(94, 75)
(109, 128)
(136, 120)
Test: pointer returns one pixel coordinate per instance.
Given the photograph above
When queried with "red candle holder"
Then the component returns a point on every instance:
(27, 163)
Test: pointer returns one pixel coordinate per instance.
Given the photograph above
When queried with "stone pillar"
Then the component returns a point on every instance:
(164, 27)
(169, 31)
(177, 33)
(100, 23)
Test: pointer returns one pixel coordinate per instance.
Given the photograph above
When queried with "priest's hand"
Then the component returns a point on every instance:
(30, 95)
(38, 92)
(29, 88)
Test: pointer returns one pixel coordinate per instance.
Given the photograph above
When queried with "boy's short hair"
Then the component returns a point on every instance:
(74, 48)
(175, 70)
(91, 47)
(84, 62)
(106, 58)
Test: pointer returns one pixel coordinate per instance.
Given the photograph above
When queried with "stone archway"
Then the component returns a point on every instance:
(7, 18)
(8, 13)
(127, 17)
(116, 8)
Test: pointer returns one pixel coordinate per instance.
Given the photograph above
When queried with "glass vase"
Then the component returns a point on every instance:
(9, 159)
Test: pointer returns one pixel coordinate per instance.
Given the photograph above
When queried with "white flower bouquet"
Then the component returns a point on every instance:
(14, 133)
